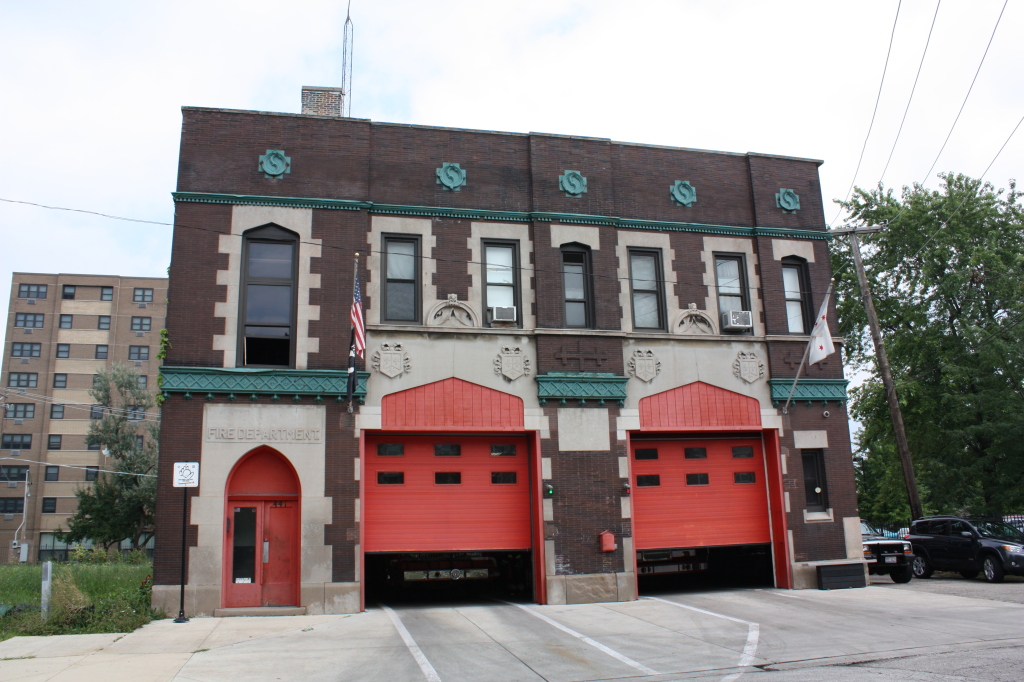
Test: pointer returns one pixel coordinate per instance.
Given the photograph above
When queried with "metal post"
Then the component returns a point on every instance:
(44, 602)
(184, 526)
(890, 388)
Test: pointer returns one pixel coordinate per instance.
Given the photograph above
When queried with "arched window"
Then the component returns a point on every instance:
(576, 286)
(267, 298)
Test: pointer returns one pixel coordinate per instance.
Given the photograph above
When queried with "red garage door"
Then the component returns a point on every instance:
(699, 493)
(447, 493)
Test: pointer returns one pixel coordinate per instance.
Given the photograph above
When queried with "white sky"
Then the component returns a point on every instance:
(91, 92)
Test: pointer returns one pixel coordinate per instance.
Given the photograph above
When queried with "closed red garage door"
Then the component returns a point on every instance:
(447, 494)
(699, 493)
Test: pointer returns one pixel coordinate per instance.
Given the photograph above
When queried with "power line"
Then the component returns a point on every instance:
(69, 466)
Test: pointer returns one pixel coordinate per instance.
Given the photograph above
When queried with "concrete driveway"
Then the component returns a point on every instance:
(875, 633)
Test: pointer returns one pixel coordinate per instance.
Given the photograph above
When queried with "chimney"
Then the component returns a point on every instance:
(322, 101)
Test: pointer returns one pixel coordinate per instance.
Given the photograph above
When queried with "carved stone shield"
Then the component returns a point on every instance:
(644, 366)
(391, 360)
(748, 367)
(511, 363)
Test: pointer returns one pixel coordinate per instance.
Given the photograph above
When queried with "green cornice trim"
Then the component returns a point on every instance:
(809, 390)
(502, 216)
(600, 387)
(243, 383)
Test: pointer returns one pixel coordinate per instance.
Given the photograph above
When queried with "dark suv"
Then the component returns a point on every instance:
(966, 545)
(886, 556)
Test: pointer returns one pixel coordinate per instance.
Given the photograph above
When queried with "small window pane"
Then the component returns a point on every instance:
(56, 411)
(390, 477)
(65, 321)
(499, 265)
(696, 479)
(648, 481)
(52, 473)
(791, 282)
(645, 271)
(60, 380)
(501, 296)
(142, 295)
(575, 314)
(63, 350)
(49, 505)
(91, 473)
(728, 276)
(53, 442)
(142, 381)
(744, 477)
(25, 350)
(138, 352)
(742, 451)
(96, 412)
(503, 450)
(503, 477)
(69, 293)
(101, 352)
(696, 453)
(103, 322)
(107, 294)
(574, 281)
(645, 310)
(141, 324)
(390, 450)
(447, 477)
(401, 301)
(270, 261)
(448, 450)
(646, 453)
(795, 316)
(401, 257)
(268, 304)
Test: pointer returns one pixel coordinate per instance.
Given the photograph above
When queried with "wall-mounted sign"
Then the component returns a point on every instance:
(186, 475)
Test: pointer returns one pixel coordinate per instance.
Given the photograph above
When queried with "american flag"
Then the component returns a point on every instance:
(356, 315)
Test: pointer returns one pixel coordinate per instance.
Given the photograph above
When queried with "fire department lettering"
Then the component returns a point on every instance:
(257, 435)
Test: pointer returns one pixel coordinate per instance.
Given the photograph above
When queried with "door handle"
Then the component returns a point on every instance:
(266, 551)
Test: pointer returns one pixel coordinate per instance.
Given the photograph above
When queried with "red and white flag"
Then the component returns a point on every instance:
(821, 338)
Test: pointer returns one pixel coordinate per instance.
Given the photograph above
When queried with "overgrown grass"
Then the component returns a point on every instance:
(84, 598)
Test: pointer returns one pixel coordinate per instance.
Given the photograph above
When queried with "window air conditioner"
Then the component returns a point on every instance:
(736, 320)
(503, 313)
(15, 453)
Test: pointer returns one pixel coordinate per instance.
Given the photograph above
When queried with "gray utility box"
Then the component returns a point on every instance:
(840, 576)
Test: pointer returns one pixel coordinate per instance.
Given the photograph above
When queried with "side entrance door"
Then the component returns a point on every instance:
(263, 557)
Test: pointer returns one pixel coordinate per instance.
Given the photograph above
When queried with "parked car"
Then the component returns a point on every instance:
(886, 556)
(967, 545)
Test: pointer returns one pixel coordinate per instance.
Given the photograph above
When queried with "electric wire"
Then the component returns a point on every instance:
(71, 466)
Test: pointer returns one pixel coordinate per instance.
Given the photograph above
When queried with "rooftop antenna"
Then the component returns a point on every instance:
(346, 65)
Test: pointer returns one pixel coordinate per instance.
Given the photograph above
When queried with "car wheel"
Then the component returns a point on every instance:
(970, 575)
(902, 574)
(993, 569)
(922, 567)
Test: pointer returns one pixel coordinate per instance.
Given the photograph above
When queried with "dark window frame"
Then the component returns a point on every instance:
(142, 381)
(54, 441)
(49, 505)
(382, 478)
(29, 320)
(63, 350)
(142, 324)
(67, 292)
(138, 353)
(106, 293)
(23, 380)
(60, 380)
(12, 505)
(697, 480)
(457, 476)
(647, 454)
(102, 351)
(92, 473)
(804, 298)
(267, 234)
(56, 411)
(517, 299)
(737, 474)
(103, 322)
(32, 291)
(26, 350)
(741, 259)
(20, 411)
(142, 295)
(16, 441)
(659, 286)
(583, 253)
(13, 472)
(52, 474)
(66, 321)
(96, 411)
(417, 281)
(497, 476)
(815, 476)
(648, 480)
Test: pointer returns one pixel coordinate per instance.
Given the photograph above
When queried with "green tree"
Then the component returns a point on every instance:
(947, 275)
(120, 506)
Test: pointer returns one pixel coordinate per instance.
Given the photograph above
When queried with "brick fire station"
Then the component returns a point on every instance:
(577, 354)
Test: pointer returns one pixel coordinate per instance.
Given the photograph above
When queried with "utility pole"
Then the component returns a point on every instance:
(883, 368)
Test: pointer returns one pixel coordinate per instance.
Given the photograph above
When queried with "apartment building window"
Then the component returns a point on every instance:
(22, 380)
(20, 410)
(501, 263)
(92, 446)
(12, 505)
(732, 285)
(268, 305)
(142, 381)
(60, 380)
(25, 350)
(814, 480)
(136, 413)
(142, 295)
(402, 279)
(91, 473)
(16, 441)
(96, 412)
(31, 291)
(68, 293)
(65, 321)
(49, 505)
(56, 411)
(576, 284)
(28, 320)
(138, 352)
(106, 293)
(52, 474)
(13, 472)
(103, 322)
(646, 282)
(794, 283)
(63, 350)
(53, 441)
(102, 351)
(140, 442)
(141, 324)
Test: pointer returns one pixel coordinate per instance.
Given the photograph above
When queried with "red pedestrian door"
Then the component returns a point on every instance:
(262, 533)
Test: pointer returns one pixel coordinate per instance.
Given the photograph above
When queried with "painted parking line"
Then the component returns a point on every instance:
(410, 643)
(583, 638)
(753, 633)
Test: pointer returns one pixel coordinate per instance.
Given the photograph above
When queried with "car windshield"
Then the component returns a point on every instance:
(867, 529)
(998, 530)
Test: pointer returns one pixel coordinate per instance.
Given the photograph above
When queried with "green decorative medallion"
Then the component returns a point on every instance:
(451, 176)
(683, 193)
(274, 164)
(572, 183)
(787, 200)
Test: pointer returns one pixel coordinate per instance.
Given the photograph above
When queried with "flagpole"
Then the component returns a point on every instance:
(807, 352)
(352, 342)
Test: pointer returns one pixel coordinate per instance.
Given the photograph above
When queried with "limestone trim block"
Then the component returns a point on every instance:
(745, 246)
(655, 241)
(520, 232)
(381, 225)
(582, 429)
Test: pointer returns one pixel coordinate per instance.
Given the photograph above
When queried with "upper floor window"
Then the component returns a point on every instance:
(103, 322)
(63, 350)
(138, 352)
(576, 287)
(268, 297)
(646, 282)
(68, 293)
(33, 320)
(56, 411)
(25, 350)
(402, 279)
(142, 296)
(31, 291)
(732, 285)
(106, 293)
(501, 293)
(13, 472)
(23, 380)
(141, 324)
(794, 283)
(66, 321)
(20, 410)
(16, 441)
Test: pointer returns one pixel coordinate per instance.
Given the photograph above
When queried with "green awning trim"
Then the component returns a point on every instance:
(809, 390)
(600, 387)
(241, 383)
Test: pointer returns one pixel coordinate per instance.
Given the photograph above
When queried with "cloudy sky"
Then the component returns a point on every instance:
(91, 92)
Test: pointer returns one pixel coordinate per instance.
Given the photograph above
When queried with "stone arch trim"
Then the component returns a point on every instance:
(452, 404)
(699, 407)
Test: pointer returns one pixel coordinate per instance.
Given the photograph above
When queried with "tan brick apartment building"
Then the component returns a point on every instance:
(62, 329)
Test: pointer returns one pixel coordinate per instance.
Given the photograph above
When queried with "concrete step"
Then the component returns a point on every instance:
(260, 611)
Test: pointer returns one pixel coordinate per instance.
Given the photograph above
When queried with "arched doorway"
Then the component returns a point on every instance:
(261, 545)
